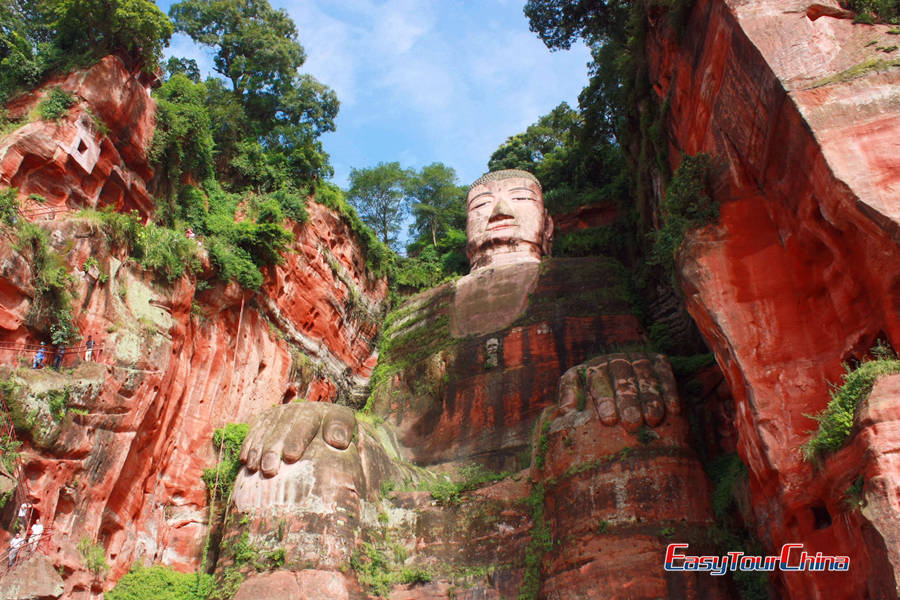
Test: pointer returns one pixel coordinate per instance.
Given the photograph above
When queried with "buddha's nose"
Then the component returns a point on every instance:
(502, 210)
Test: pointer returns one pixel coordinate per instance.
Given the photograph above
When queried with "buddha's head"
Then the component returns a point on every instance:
(506, 221)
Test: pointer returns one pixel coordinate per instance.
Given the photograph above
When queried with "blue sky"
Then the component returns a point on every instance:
(424, 81)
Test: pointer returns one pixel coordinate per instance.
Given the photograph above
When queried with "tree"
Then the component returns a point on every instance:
(272, 116)
(37, 37)
(378, 194)
(101, 27)
(526, 150)
(560, 22)
(438, 202)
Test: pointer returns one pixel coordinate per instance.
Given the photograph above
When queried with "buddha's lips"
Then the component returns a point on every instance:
(505, 224)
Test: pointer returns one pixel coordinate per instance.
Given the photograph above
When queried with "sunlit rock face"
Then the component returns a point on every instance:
(96, 154)
(619, 475)
(797, 275)
(127, 472)
(506, 221)
(311, 466)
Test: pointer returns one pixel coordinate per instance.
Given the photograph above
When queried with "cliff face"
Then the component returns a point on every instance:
(801, 107)
(125, 467)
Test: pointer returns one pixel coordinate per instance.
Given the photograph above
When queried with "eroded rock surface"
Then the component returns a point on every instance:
(124, 466)
(802, 111)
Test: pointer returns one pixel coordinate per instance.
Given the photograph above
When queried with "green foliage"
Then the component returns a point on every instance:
(266, 126)
(543, 445)
(725, 471)
(541, 542)
(160, 583)
(101, 27)
(57, 402)
(576, 165)
(275, 558)
(685, 366)
(854, 497)
(182, 141)
(379, 257)
(379, 196)
(870, 11)
(233, 435)
(372, 569)
(438, 203)
(21, 61)
(9, 206)
(238, 248)
(9, 453)
(51, 307)
(474, 476)
(121, 228)
(588, 242)
(166, 251)
(687, 205)
(415, 575)
(836, 421)
(93, 556)
(55, 105)
(560, 22)
(660, 338)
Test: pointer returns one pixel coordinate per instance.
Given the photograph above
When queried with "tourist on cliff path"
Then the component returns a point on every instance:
(14, 545)
(37, 530)
(39, 357)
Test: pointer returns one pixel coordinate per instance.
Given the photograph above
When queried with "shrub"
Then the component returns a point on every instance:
(182, 142)
(55, 105)
(121, 228)
(233, 435)
(868, 11)
(51, 307)
(166, 251)
(836, 421)
(686, 205)
(471, 477)
(160, 583)
(9, 206)
(589, 242)
(93, 556)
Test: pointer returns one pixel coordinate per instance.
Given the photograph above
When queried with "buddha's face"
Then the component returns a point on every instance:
(506, 222)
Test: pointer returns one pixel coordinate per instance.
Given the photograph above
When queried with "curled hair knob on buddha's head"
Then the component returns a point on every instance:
(506, 221)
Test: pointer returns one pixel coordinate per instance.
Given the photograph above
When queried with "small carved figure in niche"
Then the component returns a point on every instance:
(491, 353)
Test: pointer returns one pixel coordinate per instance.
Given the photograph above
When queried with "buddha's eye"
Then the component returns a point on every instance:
(479, 205)
(524, 198)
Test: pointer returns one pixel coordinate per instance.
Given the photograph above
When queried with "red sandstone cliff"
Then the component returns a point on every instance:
(176, 363)
(798, 275)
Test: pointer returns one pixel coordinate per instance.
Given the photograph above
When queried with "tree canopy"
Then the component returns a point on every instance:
(267, 115)
(438, 203)
(40, 37)
(379, 195)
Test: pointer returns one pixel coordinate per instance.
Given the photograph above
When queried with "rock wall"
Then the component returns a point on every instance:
(801, 107)
(124, 469)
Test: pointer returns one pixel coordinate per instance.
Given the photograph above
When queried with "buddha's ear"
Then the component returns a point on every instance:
(547, 238)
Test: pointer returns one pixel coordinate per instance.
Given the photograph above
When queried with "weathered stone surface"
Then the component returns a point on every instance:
(792, 279)
(616, 495)
(446, 400)
(94, 155)
(282, 585)
(127, 473)
(32, 579)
